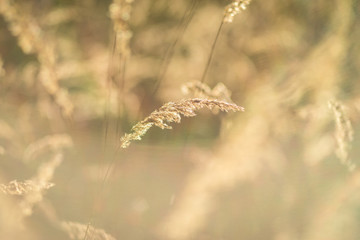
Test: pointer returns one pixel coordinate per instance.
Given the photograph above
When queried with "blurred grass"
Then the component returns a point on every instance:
(268, 173)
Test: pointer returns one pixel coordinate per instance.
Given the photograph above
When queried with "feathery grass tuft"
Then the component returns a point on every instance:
(171, 112)
(234, 9)
(32, 40)
(201, 90)
(120, 11)
(44, 175)
(344, 134)
(20, 188)
(54, 142)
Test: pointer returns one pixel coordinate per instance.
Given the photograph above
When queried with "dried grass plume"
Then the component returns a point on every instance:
(120, 11)
(54, 142)
(234, 9)
(201, 90)
(20, 188)
(171, 112)
(344, 134)
(44, 175)
(32, 40)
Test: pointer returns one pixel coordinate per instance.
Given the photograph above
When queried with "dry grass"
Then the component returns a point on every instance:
(234, 9)
(44, 175)
(344, 134)
(56, 142)
(201, 90)
(171, 112)
(120, 12)
(20, 188)
(77, 231)
(31, 39)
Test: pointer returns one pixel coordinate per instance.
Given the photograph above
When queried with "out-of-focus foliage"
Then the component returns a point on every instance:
(286, 168)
